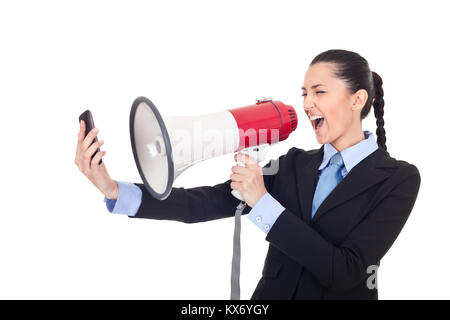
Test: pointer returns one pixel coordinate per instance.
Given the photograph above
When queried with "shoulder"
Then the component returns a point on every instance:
(295, 154)
(403, 167)
(286, 164)
(403, 173)
(298, 152)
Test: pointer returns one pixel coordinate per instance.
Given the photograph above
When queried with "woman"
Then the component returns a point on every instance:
(330, 214)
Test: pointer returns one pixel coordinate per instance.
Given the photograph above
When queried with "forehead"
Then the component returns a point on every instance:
(319, 73)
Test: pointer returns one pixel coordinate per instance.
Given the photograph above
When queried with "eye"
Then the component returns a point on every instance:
(304, 95)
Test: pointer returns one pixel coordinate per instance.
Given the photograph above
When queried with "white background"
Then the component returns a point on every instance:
(57, 239)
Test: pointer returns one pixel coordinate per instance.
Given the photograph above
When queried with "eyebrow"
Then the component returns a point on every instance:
(315, 86)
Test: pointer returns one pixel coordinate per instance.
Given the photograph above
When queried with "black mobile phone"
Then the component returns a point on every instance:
(89, 121)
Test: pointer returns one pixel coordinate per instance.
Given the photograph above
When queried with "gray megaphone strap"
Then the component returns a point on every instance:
(236, 262)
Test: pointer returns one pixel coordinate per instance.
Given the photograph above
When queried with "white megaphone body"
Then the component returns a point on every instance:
(165, 147)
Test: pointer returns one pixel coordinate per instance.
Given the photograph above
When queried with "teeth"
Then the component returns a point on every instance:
(315, 117)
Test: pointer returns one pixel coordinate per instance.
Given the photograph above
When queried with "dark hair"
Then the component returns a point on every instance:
(354, 70)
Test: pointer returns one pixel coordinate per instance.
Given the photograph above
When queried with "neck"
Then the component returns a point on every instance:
(349, 138)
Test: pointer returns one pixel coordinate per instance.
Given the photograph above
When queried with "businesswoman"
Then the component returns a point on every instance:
(330, 214)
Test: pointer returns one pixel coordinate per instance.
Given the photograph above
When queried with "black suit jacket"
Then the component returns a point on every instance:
(326, 257)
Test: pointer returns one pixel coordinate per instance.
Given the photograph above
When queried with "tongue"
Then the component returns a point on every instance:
(319, 123)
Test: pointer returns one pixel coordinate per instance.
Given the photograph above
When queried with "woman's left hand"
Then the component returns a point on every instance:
(248, 180)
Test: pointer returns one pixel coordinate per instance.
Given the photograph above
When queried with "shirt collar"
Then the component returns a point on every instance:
(351, 155)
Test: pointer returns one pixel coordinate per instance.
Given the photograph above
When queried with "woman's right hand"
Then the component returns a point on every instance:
(96, 173)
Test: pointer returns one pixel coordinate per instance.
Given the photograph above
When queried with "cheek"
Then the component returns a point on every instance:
(338, 121)
(334, 117)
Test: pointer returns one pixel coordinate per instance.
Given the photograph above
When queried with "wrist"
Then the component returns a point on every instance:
(113, 194)
(258, 198)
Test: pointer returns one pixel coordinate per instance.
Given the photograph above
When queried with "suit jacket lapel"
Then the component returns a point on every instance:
(307, 177)
(364, 175)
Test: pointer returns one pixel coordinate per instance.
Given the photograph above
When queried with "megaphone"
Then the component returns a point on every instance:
(164, 147)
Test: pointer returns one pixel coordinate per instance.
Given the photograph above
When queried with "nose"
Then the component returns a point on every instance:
(307, 105)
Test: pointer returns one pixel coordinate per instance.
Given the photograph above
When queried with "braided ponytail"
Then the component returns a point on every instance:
(378, 109)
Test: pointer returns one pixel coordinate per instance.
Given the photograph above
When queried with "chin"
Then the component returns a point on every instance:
(322, 139)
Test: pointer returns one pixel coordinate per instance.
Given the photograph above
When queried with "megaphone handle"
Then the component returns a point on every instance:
(235, 192)
(258, 153)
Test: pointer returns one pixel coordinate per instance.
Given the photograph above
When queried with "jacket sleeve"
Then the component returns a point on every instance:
(344, 266)
(197, 204)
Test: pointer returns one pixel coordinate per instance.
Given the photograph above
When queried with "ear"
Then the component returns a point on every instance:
(359, 99)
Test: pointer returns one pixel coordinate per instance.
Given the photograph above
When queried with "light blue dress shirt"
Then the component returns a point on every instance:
(267, 210)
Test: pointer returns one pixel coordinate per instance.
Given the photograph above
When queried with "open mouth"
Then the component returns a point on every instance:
(317, 122)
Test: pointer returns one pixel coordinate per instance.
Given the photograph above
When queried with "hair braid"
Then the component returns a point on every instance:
(378, 108)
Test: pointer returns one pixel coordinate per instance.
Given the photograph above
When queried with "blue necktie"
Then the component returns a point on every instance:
(328, 180)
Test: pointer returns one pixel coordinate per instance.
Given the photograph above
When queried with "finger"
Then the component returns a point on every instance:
(88, 140)
(236, 177)
(235, 185)
(96, 159)
(239, 170)
(91, 150)
(81, 132)
(244, 158)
